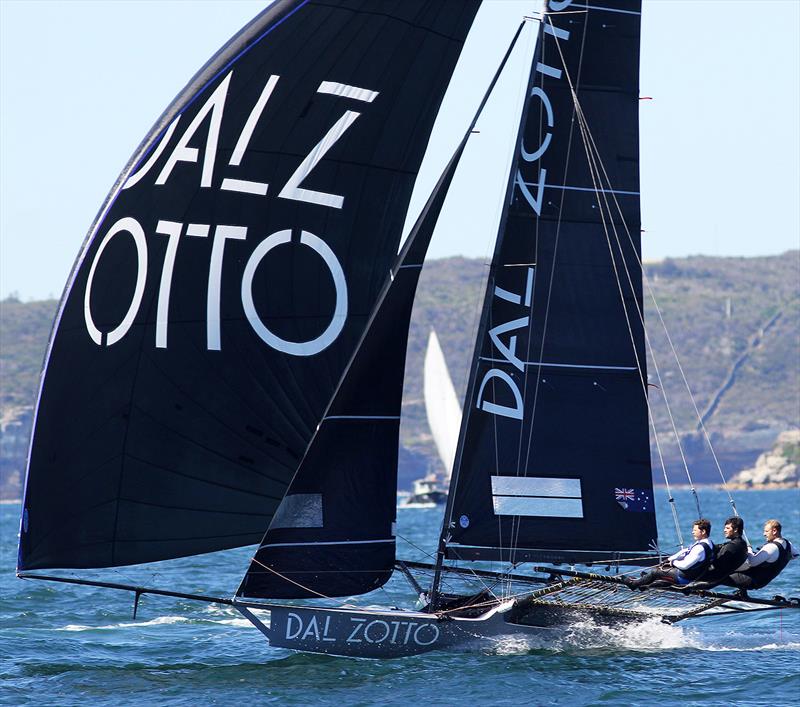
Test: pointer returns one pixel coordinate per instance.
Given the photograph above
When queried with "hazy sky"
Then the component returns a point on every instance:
(82, 82)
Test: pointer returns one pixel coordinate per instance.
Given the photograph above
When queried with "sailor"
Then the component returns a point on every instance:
(761, 567)
(728, 557)
(684, 566)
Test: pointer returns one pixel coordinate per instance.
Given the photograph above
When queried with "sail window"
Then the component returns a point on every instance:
(537, 496)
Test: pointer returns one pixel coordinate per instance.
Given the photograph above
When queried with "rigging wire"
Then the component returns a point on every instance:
(671, 344)
(595, 158)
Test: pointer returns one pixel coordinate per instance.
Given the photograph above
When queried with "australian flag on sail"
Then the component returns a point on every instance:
(636, 500)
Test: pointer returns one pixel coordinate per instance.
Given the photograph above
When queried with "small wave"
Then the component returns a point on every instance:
(239, 623)
(160, 621)
(789, 646)
(648, 635)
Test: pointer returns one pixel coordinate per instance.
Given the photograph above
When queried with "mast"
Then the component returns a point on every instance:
(443, 535)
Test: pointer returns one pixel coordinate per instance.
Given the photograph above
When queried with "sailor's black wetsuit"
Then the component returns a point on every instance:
(730, 556)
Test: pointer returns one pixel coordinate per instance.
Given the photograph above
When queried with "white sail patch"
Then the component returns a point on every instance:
(537, 496)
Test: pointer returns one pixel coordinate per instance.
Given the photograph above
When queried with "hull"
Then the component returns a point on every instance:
(427, 500)
(381, 633)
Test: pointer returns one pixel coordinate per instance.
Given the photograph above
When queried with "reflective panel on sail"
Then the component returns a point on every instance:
(227, 279)
(554, 460)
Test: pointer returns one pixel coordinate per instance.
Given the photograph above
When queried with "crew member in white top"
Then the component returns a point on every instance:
(684, 566)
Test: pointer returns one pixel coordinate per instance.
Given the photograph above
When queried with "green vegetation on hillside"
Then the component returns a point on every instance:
(24, 329)
(735, 323)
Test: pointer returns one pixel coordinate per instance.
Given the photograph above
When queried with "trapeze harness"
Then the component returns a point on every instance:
(764, 573)
(698, 568)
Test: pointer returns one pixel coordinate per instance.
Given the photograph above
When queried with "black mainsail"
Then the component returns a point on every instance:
(553, 461)
(227, 280)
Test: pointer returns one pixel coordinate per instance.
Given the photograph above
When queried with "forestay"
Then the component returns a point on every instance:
(553, 461)
(227, 279)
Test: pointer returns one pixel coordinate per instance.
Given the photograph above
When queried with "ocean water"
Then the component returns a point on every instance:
(71, 645)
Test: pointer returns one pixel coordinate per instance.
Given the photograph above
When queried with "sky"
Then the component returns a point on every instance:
(82, 82)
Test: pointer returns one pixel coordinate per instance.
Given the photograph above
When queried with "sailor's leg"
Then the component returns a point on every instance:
(651, 576)
(740, 580)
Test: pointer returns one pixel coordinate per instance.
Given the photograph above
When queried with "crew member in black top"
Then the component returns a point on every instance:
(761, 567)
(728, 557)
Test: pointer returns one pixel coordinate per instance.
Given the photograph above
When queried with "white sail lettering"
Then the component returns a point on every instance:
(529, 288)
(126, 225)
(548, 70)
(183, 153)
(292, 189)
(535, 202)
(173, 231)
(556, 32)
(289, 633)
(510, 351)
(252, 121)
(198, 230)
(147, 166)
(296, 348)
(346, 91)
(533, 156)
(494, 408)
(246, 186)
(221, 234)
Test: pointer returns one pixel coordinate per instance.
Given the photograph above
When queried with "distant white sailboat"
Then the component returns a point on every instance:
(444, 420)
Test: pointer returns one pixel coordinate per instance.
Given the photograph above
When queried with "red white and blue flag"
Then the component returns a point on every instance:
(636, 500)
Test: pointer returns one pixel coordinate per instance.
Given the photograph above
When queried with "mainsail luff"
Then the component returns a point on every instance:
(289, 160)
(553, 461)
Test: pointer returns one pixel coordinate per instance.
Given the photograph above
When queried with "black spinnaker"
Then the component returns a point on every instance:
(227, 279)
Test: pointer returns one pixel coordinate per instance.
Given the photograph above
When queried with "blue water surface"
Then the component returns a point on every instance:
(71, 645)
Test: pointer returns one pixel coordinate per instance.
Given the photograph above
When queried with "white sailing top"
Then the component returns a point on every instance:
(689, 557)
(769, 554)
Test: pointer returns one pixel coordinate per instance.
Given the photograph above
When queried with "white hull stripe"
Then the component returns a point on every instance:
(332, 542)
(562, 365)
(534, 496)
